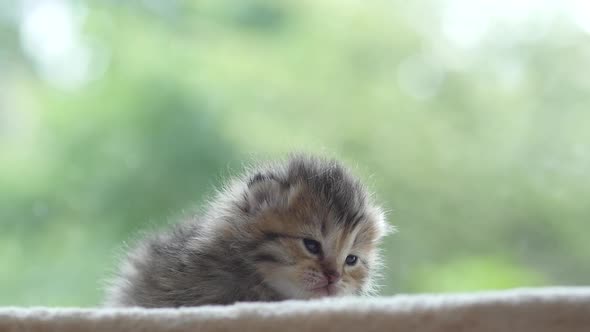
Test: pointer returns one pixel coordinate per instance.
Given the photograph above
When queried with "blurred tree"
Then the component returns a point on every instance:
(468, 118)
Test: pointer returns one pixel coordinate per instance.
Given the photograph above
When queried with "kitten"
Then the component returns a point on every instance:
(300, 229)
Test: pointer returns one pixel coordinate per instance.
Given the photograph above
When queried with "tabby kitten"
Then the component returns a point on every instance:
(298, 229)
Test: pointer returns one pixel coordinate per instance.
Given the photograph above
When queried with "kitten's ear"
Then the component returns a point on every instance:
(265, 191)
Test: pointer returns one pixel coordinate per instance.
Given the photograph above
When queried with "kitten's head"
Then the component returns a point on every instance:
(312, 228)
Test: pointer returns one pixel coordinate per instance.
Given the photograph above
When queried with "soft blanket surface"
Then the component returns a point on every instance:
(538, 310)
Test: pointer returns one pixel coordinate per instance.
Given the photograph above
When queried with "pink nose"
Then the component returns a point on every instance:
(332, 276)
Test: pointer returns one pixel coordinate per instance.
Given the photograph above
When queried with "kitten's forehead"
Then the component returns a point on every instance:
(332, 187)
(337, 219)
(327, 182)
(361, 236)
(314, 197)
(344, 237)
(324, 216)
(338, 239)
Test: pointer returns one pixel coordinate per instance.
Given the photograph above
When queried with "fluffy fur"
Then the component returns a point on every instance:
(297, 229)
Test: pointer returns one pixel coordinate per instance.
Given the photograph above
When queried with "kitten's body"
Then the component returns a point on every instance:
(300, 229)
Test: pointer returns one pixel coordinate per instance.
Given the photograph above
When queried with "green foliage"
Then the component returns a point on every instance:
(480, 151)
(473, 274)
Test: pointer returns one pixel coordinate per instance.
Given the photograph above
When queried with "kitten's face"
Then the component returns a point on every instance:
(307, 252)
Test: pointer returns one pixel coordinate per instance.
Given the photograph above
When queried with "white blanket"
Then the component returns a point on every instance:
(526, 310)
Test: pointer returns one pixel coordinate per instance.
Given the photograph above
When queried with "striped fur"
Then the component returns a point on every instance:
(248, 245)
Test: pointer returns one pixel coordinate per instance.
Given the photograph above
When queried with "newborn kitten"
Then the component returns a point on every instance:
(301, 229)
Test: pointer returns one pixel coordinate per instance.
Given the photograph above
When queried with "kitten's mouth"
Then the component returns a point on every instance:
(325, 290)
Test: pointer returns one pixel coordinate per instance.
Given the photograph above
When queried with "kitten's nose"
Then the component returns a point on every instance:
(332, 275)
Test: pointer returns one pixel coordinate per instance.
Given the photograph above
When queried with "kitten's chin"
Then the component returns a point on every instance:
(292, 291)
(324, 291)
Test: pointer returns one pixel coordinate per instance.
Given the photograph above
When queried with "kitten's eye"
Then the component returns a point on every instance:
(312, 246)
(351, 260)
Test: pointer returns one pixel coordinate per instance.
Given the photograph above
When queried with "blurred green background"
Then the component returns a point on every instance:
(469, 119)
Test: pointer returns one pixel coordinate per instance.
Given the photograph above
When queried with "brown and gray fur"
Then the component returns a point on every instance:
(249, 244)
